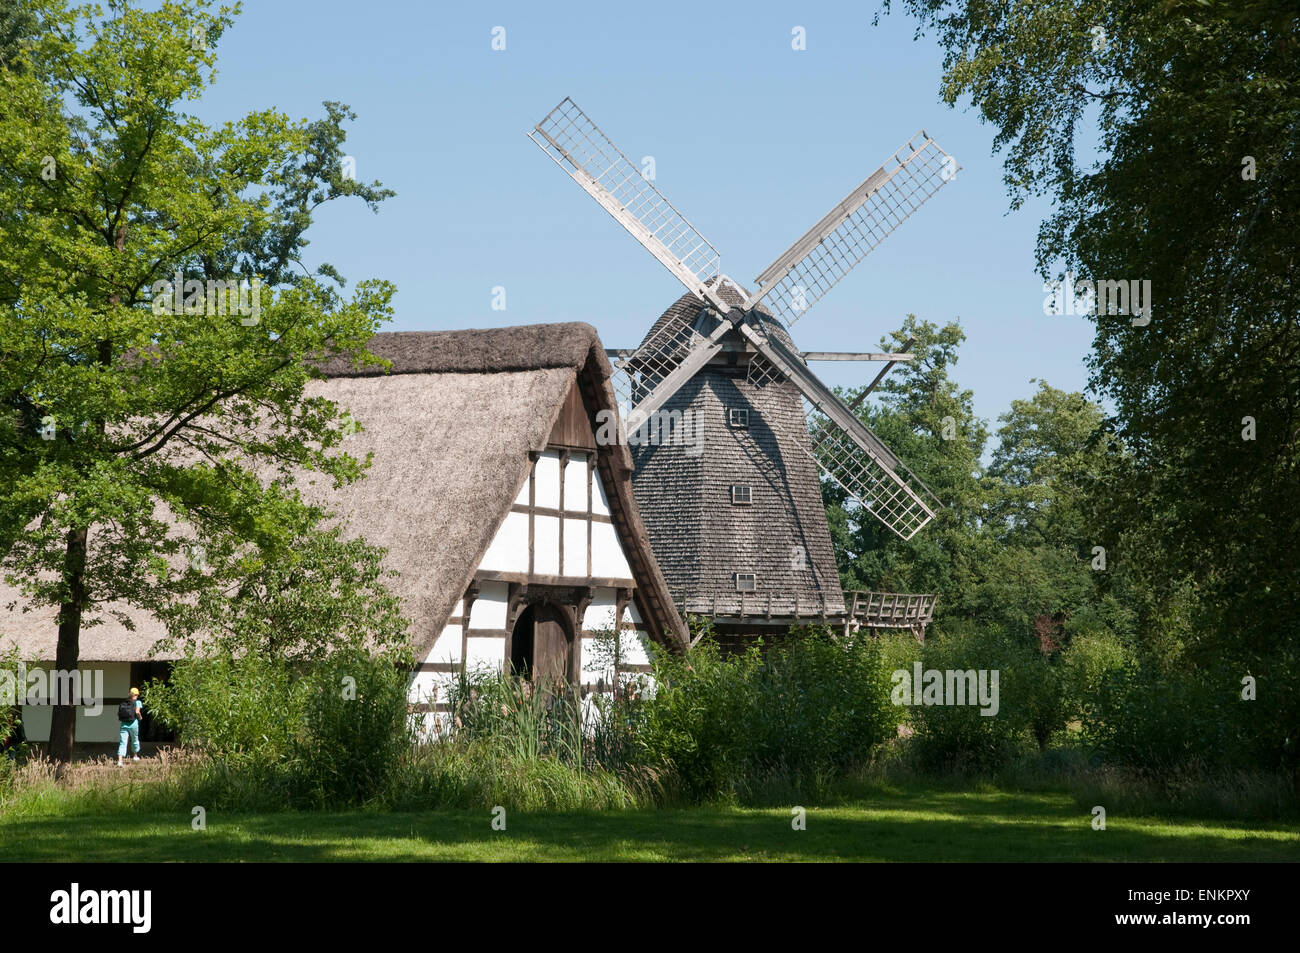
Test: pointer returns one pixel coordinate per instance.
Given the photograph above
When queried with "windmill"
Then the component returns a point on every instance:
(737, 523)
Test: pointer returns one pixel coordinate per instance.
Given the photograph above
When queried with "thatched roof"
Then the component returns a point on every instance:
(35, 633)
(529, 347)
(451, 428)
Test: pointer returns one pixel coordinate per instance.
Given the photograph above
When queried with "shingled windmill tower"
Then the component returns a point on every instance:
(729, 427)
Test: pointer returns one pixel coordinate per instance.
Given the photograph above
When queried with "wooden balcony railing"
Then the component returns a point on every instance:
(896, 610)
(856, 609)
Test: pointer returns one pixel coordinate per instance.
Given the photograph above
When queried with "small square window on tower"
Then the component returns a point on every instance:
(746, 582)
(742, 494)
(739, 417)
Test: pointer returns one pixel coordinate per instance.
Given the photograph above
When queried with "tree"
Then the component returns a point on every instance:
(157, 332)
(1046, 578)
(1051, 452)
(929, 422)
(18, 26)
(1195, 189)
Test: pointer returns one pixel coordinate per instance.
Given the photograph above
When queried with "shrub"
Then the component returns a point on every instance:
(1162, 724)
(822, 707)
(330, 734)
(1085, 667)
(756, 727)
(245, 709)
(356, 731)
(700, 719)
(12, 748)
(959, 737)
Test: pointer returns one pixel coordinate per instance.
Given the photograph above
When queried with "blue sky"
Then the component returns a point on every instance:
(753, 141)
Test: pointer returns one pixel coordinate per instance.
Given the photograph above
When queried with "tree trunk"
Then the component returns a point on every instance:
(63, 723)
(63, 720)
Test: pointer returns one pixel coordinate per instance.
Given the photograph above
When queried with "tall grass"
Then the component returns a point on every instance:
(582, 751)
(808, 721)
(38, 789)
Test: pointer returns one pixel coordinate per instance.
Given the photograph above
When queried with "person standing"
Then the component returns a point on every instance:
(130, 729)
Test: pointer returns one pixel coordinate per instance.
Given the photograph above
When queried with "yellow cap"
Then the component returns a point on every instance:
(135, 691)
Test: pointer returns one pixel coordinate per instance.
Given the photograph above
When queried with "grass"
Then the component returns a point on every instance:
(884, 823)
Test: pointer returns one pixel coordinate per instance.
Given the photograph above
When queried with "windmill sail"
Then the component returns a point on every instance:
(847, 233)
(842, 446)
(578, 147)
(665, 362)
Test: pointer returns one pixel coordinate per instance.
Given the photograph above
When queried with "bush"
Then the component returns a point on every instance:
(294, 737)
(758, 727)
(12, 748)
(1163, 724)
(823, 706)
(240, 710)
(1086, 665)
(356, 731)
(959, 737)
(700, 721)
(707, 725)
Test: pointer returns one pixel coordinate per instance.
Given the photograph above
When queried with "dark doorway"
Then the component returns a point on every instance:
(540, 647)
(521, 645)
(142, 672)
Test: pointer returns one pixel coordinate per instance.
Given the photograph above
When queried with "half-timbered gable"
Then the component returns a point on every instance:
(515, 534)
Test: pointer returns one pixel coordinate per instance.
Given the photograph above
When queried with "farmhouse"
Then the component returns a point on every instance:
(515, 536)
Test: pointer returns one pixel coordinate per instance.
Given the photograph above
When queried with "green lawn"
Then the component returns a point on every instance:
(893, 826)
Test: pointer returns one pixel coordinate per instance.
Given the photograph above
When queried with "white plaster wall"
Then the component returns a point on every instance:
(594, 668)
(482, 653)
(116, 682)
(546, 475)
(607, 559)
(489, 609)
(633, 648)
(575, 547)
(447, 647)
(546, 546)
(430, 687)
(600, 613)
(575, 484)
(599, 502)
(508, 551)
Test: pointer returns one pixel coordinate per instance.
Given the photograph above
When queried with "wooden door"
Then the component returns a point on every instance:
(551, 644)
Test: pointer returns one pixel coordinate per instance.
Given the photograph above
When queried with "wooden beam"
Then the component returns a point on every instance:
(539, 579)
(855, 356)
(623, 353)
(857, 401)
